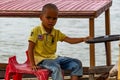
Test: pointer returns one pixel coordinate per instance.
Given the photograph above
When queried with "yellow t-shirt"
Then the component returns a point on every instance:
(45, 44)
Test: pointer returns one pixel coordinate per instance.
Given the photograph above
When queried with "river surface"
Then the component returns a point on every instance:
(14, 33)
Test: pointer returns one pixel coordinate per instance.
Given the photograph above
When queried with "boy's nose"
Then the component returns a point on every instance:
(51, 20)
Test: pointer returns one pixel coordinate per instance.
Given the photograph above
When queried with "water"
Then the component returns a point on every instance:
(14, 33)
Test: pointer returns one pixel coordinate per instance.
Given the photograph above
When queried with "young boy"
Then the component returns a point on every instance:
(43, 42)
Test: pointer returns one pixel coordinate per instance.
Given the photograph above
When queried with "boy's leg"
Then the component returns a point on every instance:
(54, 68)
(74, 65)
(74, 78)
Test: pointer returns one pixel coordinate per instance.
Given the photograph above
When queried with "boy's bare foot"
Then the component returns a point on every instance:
(113, 71)
(104, 76)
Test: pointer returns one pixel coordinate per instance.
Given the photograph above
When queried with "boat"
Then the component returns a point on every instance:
(89, 9)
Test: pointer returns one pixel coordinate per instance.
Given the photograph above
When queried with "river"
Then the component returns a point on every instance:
(14, 34)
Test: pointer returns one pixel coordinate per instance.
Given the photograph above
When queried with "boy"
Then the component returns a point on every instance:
(43, 42)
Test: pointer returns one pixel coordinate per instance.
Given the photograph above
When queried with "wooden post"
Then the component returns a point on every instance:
(118, 75)
(92, 46)
(107, 28)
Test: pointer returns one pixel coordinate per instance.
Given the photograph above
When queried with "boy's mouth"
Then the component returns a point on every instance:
(50, 25)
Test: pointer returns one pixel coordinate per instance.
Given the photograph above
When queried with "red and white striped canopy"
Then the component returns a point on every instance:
(67, 8)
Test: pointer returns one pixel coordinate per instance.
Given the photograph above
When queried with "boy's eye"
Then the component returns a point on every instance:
(54, 18)
(51, 18)
(48, 17)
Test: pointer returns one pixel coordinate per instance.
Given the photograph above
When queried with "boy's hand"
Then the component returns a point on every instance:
(86, 38)
(35, 68)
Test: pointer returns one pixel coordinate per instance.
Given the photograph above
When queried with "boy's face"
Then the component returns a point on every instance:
(49, 18)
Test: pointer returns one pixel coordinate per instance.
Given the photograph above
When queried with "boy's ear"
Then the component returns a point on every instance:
(41, 17)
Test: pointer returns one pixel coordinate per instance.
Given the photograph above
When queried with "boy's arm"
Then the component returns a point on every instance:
(75, 40)
(31, 55)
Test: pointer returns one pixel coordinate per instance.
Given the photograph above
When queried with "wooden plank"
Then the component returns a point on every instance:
(99, 69)
(2, 74)
(2, 70)
(3, 66)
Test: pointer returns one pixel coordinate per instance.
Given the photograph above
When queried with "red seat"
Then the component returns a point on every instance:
(15, 70)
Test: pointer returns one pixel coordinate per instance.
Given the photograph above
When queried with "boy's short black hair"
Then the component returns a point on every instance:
(49, 6)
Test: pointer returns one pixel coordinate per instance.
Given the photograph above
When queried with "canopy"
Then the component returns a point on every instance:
(67, 8)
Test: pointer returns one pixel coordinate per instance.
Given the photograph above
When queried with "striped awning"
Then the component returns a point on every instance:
(67, 8)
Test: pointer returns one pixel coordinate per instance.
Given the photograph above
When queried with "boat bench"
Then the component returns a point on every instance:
(88, 72)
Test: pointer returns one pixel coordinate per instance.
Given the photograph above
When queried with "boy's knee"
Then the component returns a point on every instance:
(56, 68)
(78, 62)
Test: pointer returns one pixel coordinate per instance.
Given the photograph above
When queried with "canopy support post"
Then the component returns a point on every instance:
(107, 28)
(92, 46)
